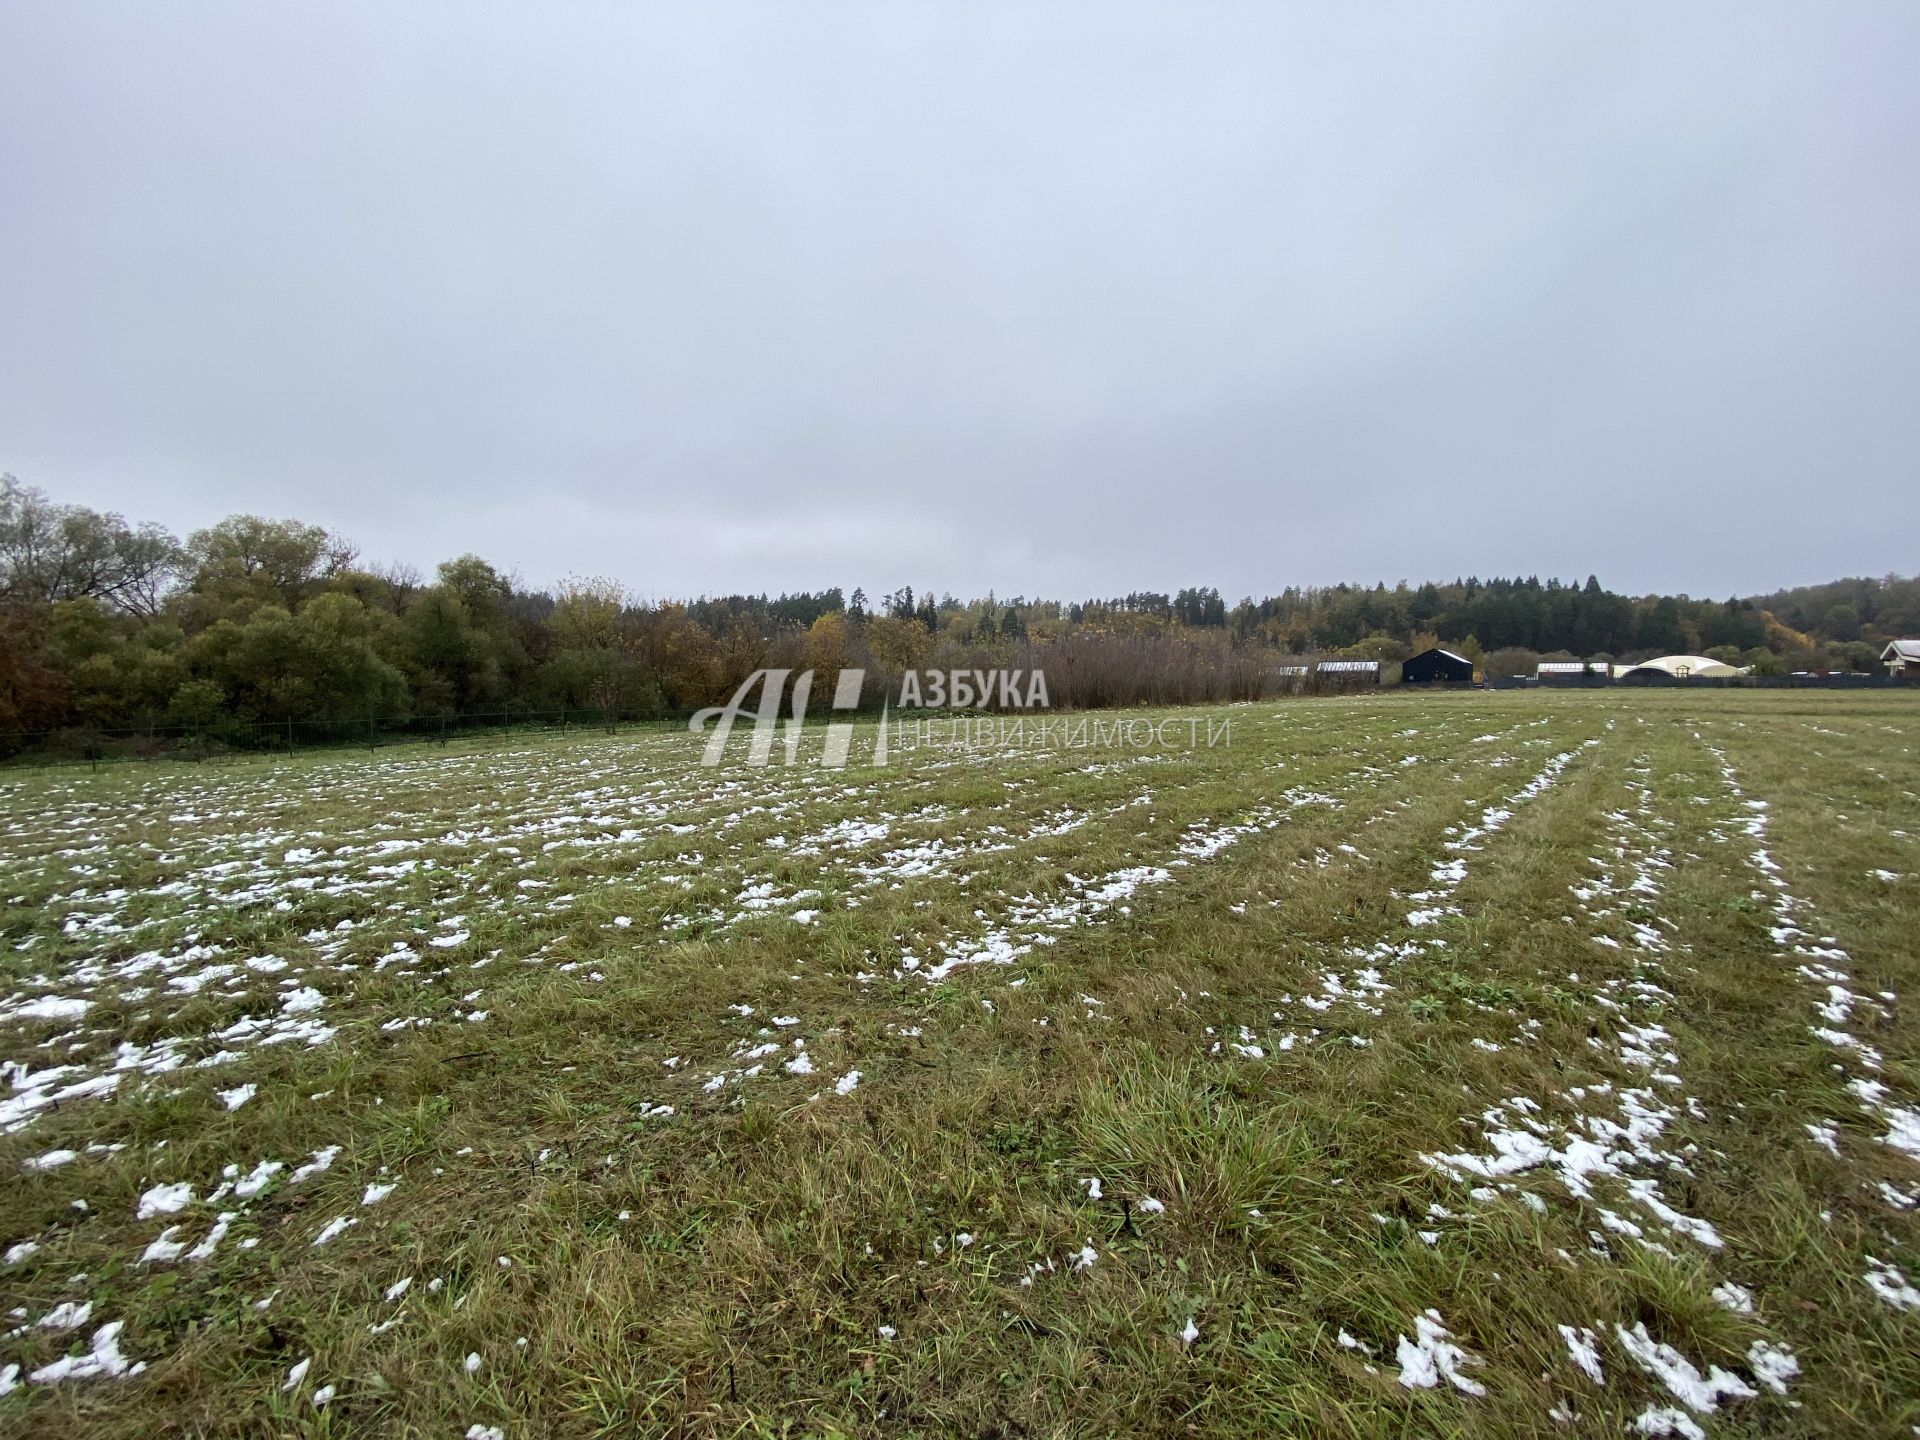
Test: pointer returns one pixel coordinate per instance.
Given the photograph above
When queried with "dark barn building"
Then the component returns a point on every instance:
(1436, 667)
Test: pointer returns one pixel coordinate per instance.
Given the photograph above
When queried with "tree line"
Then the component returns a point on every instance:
(107, 624)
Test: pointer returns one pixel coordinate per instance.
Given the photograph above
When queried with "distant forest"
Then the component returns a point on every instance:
(107, 625)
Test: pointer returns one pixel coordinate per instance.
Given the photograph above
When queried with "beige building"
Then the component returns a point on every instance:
(1683, 667)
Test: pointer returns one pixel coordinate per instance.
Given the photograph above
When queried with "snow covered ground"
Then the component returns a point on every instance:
(1534, 1058)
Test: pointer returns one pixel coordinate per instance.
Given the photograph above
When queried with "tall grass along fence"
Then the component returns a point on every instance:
(231, 738)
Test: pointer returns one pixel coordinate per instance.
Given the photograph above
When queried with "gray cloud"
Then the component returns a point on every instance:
(1052, 299)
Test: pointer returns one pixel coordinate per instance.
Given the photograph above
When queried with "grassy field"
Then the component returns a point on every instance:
(1500, 1064)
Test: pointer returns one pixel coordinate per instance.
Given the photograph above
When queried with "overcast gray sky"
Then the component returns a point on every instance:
(1055, 299)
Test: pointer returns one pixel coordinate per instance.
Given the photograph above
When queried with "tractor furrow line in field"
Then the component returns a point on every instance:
(1033, 922)
(1361, 988)
(1615, 1141)
(1820, 963)
(304, 996)
(1598, 1145)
